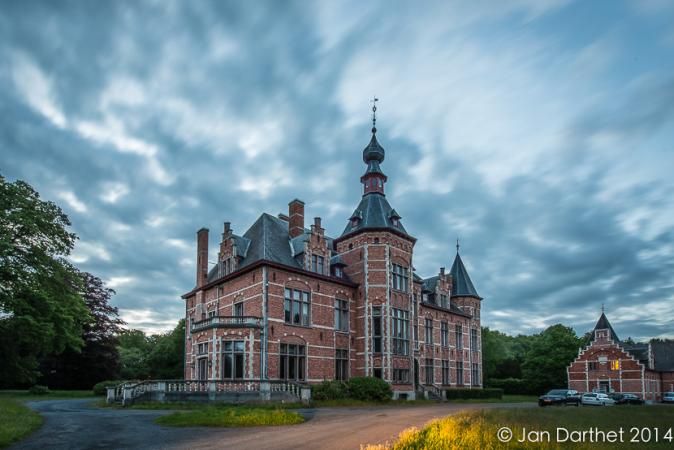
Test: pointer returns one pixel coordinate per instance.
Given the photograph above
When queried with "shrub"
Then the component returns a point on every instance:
(369, 388)
(329, 390)
(514, 386)
(456, 394)
(38, 390)
(101, 388)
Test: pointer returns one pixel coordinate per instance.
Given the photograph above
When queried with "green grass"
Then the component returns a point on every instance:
(232, 416)
(479, 429)
(17, 420)
(505, 399)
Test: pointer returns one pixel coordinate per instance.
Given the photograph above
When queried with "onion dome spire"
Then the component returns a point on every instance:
(373, 180)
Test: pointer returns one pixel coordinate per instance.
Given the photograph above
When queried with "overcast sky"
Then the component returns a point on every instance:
(539, 133)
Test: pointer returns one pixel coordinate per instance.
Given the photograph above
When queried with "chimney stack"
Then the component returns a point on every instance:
(317, 222)
(202, 256)
(442, 271)
(296, 213)
(227, 231)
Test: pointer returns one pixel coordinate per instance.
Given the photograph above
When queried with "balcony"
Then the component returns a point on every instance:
(227, 322)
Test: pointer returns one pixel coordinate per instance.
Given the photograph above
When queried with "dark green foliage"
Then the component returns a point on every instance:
(159, 356)
(369, 389)
(41, 309)
(456, 394)
(551, 353)
(101, 388)
(512, 386)
(38, 390)
(330, 390)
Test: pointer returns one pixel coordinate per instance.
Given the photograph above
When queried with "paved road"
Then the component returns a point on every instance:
(75, 424)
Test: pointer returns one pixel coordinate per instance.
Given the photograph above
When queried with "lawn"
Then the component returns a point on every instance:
(17, 420)
(231, 416)
(479, 429)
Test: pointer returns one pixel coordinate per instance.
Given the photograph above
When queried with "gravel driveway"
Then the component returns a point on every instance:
(76, 424)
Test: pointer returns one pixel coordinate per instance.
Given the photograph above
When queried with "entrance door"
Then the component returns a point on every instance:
(416, 373)
(603, 386)
(202, 369)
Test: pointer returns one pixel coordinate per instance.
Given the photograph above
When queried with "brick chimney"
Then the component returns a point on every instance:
(202, 256)
(296, 213)
(442, 272)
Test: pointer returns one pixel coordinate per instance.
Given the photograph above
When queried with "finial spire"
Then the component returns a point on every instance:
(374, 113)
(602, 308)
(457, 246)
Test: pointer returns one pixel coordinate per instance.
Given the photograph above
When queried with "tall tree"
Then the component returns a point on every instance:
(166, 359)
(41, 311)
(99, 358)
(551, 353)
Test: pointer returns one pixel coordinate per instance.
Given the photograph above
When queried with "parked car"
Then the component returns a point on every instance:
(559, 397)
(597, 399)
(626, 399)
(668, 397)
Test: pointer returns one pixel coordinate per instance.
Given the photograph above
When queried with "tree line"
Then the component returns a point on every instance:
(57, 326)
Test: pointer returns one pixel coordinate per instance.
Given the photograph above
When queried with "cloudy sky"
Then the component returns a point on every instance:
(540, 133)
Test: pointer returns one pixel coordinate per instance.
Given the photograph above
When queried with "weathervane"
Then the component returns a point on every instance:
(374, 113)
(457, 246)
(602, 308)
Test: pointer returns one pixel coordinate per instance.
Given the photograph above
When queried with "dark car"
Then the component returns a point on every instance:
(626, 399)
(561, 397)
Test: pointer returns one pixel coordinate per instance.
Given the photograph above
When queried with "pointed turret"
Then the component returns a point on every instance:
(462, 286)
(603, 325)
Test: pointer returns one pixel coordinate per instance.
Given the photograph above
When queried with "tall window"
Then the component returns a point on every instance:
(399, 277)
(429, 331)
(459, 337)
(429, 370)
(444, 333)
(443, 301)
(376, 329)
(475, 375)
(297, 307)
(445, 371)
(202, 349)
(401, 376)
(341, 364)
(238, 309)
(401, 334)
(293, 361)
(317, 263)
(341, 315)
(473, 339)
(615, 364)
(459, 373)
(233, 359)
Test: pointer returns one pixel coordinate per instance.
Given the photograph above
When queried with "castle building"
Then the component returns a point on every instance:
(285, 302)
(609, 365)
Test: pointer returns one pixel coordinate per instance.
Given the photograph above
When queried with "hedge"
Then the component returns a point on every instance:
(101, 388)
(513, 386)
(359, 388)
(462, 393)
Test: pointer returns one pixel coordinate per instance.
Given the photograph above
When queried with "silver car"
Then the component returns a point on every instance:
(668, 397)
(597, 399)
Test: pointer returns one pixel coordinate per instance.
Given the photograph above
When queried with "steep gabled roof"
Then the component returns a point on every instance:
(462, 284)
(604, 324)
(374, 212)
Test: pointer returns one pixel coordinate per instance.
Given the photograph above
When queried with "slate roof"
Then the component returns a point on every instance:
(429, 284)
(374, 212)
(373, 151)
(462, 284)
(603, 324)
(638, 351)
(663, 355)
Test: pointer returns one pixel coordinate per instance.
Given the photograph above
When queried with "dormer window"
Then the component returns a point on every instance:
(339, 273)
(317, 263)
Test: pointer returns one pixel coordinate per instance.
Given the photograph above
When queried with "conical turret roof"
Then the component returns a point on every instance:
(462, 284)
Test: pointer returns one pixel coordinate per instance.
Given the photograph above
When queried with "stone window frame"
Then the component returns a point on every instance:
(341, 364)
(234, 352)
(446, 378)
(303, 300)
(400, 330)
(342, 314)
(299, 361)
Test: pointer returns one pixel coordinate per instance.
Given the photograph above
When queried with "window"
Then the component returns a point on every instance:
(317, 263)
(202, 368)
(592, 365)
(459, 373)
(376, 372)
(429, 331)
(338, 272)
(341, 315)
(444, 334)
(202, 349)
(429, 370)
(238, 309)
(475, 375)
(473, 340)
(341, 364)
(376, 329)
(233, 359)
(615, 364)
(401, 376)
(459, 337)
(445, 371)
(401, 336)
(211, 313)
(296, 307)
(399, 277)
(443, 301)
(293, 360)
